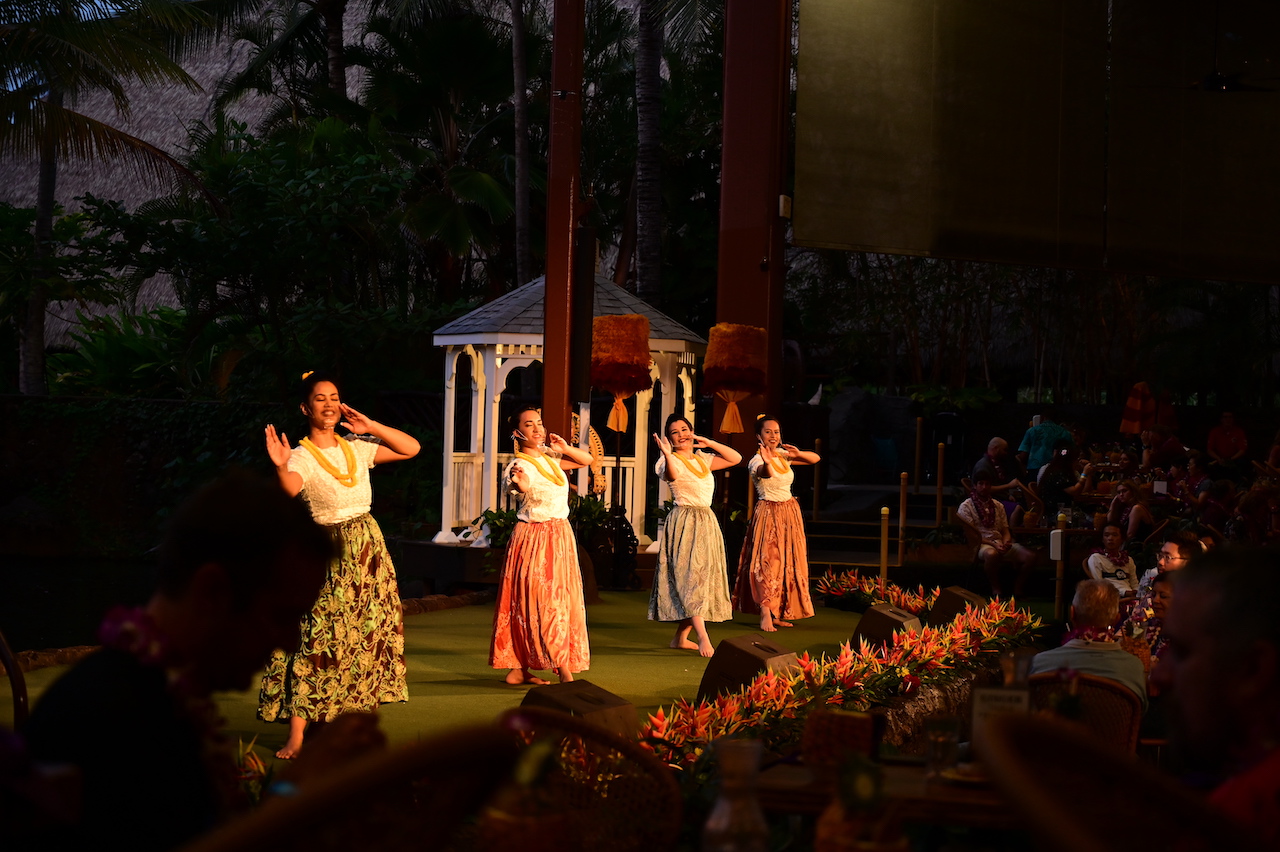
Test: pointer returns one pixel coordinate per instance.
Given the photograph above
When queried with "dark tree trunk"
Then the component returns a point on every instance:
(520, 108)
(627, 242)
(649, 153)
(31, 343)
(333, 12)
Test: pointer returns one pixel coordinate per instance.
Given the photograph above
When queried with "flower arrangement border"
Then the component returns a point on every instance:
(773, 707)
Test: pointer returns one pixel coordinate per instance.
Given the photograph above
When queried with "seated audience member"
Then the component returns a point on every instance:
(1057, 481)
(1005, 475)
(1187, 482)
(1174, 554)
(1092, 645)
(1159, 447)
(1273, 455)
(1113, 564)
(1130, 465)
(240, 565)
(1039, 442)
(1221, 671)
(1129, 510)
(1218, 505)
(1226, 447)
(986, 515)
(1257, 516)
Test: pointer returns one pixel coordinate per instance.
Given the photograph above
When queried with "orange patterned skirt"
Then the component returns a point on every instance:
(540, 621)
(774, 567)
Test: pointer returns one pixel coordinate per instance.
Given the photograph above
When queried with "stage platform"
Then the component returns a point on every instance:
(450, 683)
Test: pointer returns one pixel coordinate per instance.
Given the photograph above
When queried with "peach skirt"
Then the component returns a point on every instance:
(540, 621)
(774, 567)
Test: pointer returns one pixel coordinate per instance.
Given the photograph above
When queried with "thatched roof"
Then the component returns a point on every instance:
(161, 116)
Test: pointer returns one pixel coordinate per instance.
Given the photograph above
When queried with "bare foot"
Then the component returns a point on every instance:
(683, 645)
(766, 622)
(704, 647)
(778, 622)
(518, 677)
(565, 676)
(290, 749)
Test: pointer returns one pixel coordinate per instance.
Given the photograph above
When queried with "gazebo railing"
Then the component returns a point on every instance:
(468, 486)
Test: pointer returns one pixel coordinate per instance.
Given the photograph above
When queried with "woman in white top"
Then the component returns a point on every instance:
(351, 653)
(540, 621)
(691, 583)
(773, 572)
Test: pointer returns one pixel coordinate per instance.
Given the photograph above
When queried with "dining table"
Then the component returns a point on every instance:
(915, 795)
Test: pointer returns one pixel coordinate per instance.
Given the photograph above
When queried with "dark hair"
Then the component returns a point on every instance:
(1136, 491)
(982, 476)
(1187, 543)
(513, 419)
(1180, 460)
(674, 418)
(763, 419)
(243, 523)
(1119, 529)
(1163, 578)
(308, 385)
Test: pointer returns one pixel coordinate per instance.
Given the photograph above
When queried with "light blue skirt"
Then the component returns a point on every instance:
(692, 578)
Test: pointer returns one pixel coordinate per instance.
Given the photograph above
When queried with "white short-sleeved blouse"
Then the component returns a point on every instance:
(545, 500)
(776, 487)
(688, 489)
(330, 501)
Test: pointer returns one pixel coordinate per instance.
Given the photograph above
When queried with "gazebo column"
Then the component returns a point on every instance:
(584, 443)
(669, 374)
(447, 501)
(493, 393)
(640, 474)
(475, 441)
(686, 390)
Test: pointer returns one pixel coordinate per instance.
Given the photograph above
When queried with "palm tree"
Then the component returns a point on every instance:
(648, 184)
(53, 53)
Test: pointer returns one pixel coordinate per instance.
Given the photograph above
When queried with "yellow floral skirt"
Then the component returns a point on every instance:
(351, 654)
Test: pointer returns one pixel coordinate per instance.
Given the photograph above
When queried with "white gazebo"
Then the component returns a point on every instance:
(507, 333)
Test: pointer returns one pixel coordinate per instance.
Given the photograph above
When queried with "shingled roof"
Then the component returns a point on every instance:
(520, 313)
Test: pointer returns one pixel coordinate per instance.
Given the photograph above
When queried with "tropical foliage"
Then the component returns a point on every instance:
(774, 705)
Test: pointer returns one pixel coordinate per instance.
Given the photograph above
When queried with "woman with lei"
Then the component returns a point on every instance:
(540, 621)
(773, 571)
(691, 583)
(1113, 563)
(351, 654)
(1129, 510)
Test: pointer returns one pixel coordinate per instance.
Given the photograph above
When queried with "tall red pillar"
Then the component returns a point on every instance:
(757, 78)
(564, 181)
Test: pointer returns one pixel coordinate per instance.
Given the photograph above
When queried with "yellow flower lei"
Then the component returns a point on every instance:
(781, 471)
(349, 478)
(697, 466)
(555, 476)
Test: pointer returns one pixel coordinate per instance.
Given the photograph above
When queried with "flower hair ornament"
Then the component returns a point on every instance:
(306, 374)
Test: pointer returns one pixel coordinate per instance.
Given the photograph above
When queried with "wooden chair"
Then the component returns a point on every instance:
(413, 797)
(595, 790)
(1155, 533)
(831, 736)
(1109, 710)
(1079, 795)
(17, 685)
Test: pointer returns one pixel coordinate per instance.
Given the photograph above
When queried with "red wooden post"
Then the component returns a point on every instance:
(563, 193)
(757, 80)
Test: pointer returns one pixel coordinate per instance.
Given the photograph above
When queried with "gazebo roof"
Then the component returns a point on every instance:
(518, 317)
